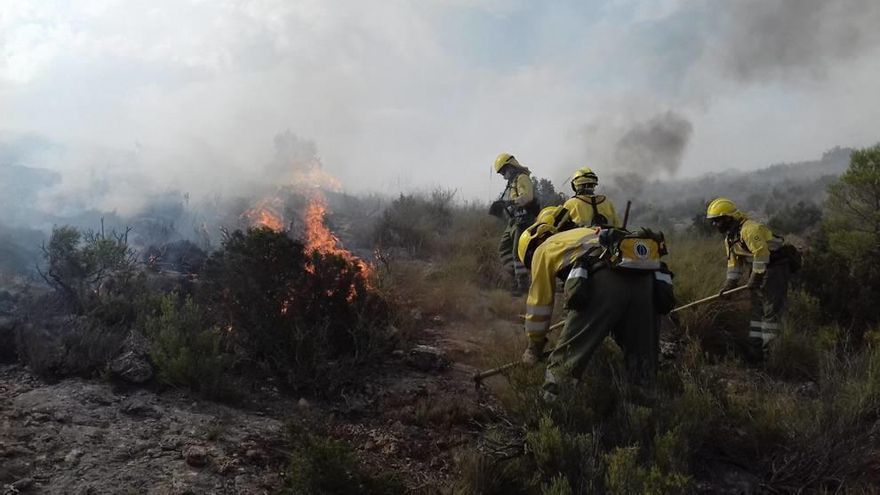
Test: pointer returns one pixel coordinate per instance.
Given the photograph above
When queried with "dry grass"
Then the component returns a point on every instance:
(699, 266)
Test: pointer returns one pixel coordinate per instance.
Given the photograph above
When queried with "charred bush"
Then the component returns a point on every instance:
(179, 256)
(300, 316)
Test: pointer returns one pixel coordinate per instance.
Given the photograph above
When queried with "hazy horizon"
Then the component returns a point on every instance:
(399, 95)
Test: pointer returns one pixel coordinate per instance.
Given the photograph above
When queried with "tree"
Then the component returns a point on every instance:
(794, 219)
(546, 193)
(841, 267)
(853, 210)
(85, 268)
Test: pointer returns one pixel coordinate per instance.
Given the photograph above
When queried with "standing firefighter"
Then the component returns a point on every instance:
(615, 284)
(520, 206)
(751, 242)
(588, 209)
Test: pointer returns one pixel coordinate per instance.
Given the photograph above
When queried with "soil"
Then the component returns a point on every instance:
(410, 416)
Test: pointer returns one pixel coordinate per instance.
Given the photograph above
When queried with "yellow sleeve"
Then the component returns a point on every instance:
(524, 190)
(734, 263)
(755, 236)
(573, 205)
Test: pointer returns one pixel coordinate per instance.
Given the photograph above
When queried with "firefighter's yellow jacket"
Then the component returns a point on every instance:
(580, 208)
(751, 243)
(520, 190)
(557, 253)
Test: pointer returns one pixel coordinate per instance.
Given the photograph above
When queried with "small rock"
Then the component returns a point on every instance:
(427, 358)
(132, 367)
(195, 456)
(255, 455)
(73, 456)
(137, 406)
(303, 403)
(23, 484)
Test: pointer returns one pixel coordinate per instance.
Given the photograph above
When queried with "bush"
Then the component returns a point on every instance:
(795, 219)
(94, 276)
(841, 268)
(300, 316)
(87, 269)
(415, 223)
(186, 349)
(320, 465)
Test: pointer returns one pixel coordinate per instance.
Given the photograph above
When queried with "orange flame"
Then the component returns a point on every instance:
(310, 179)
(265, 214)
(319, 238)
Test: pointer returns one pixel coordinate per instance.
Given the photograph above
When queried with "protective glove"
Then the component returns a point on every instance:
(496, 209)
(755, 281)
(729, 284)
(534, 352)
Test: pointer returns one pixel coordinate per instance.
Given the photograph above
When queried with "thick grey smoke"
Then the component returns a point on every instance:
(762, 39)
(777, 50)
(657, 144)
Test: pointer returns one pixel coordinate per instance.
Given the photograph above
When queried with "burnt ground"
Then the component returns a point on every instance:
(411, 416)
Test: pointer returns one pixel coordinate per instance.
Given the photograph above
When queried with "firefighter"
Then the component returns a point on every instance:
(587, 208)
(750, 243)
(606, 292)
(520, 207)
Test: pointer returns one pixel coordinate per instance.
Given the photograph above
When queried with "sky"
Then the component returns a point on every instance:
(409, 95)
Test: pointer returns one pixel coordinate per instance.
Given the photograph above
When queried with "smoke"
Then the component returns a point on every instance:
(187, 95)
(765, 39)
(657, 144)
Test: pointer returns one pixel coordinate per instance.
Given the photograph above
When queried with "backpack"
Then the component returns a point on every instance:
(641, 250)
(598, 220)
(794, 257)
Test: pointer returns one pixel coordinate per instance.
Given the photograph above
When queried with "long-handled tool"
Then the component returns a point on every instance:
(482, 375)
(711, 298)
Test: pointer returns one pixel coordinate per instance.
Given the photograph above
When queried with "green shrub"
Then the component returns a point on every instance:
(186, 349)
(86, 269)
(795, 219)
(321, 465)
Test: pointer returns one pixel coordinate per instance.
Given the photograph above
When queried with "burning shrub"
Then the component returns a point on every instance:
(295, 314)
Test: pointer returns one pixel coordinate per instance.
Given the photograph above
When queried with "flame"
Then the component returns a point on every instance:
(311, 180)
(313, 177)
(265, 214)
(319, 238)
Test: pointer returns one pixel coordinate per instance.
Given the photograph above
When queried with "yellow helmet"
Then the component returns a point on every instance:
(505, 159)
(551, 220)
(582, 177)
(722, 207)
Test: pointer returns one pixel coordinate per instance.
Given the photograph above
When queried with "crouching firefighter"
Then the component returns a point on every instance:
(588, 209)
(771, 263)
(615, 283)
(519, 205)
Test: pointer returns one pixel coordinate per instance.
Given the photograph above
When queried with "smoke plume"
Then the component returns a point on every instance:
(760, 39)
(656, 144)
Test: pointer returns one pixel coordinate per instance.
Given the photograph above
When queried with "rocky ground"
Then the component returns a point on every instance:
(92, 437)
